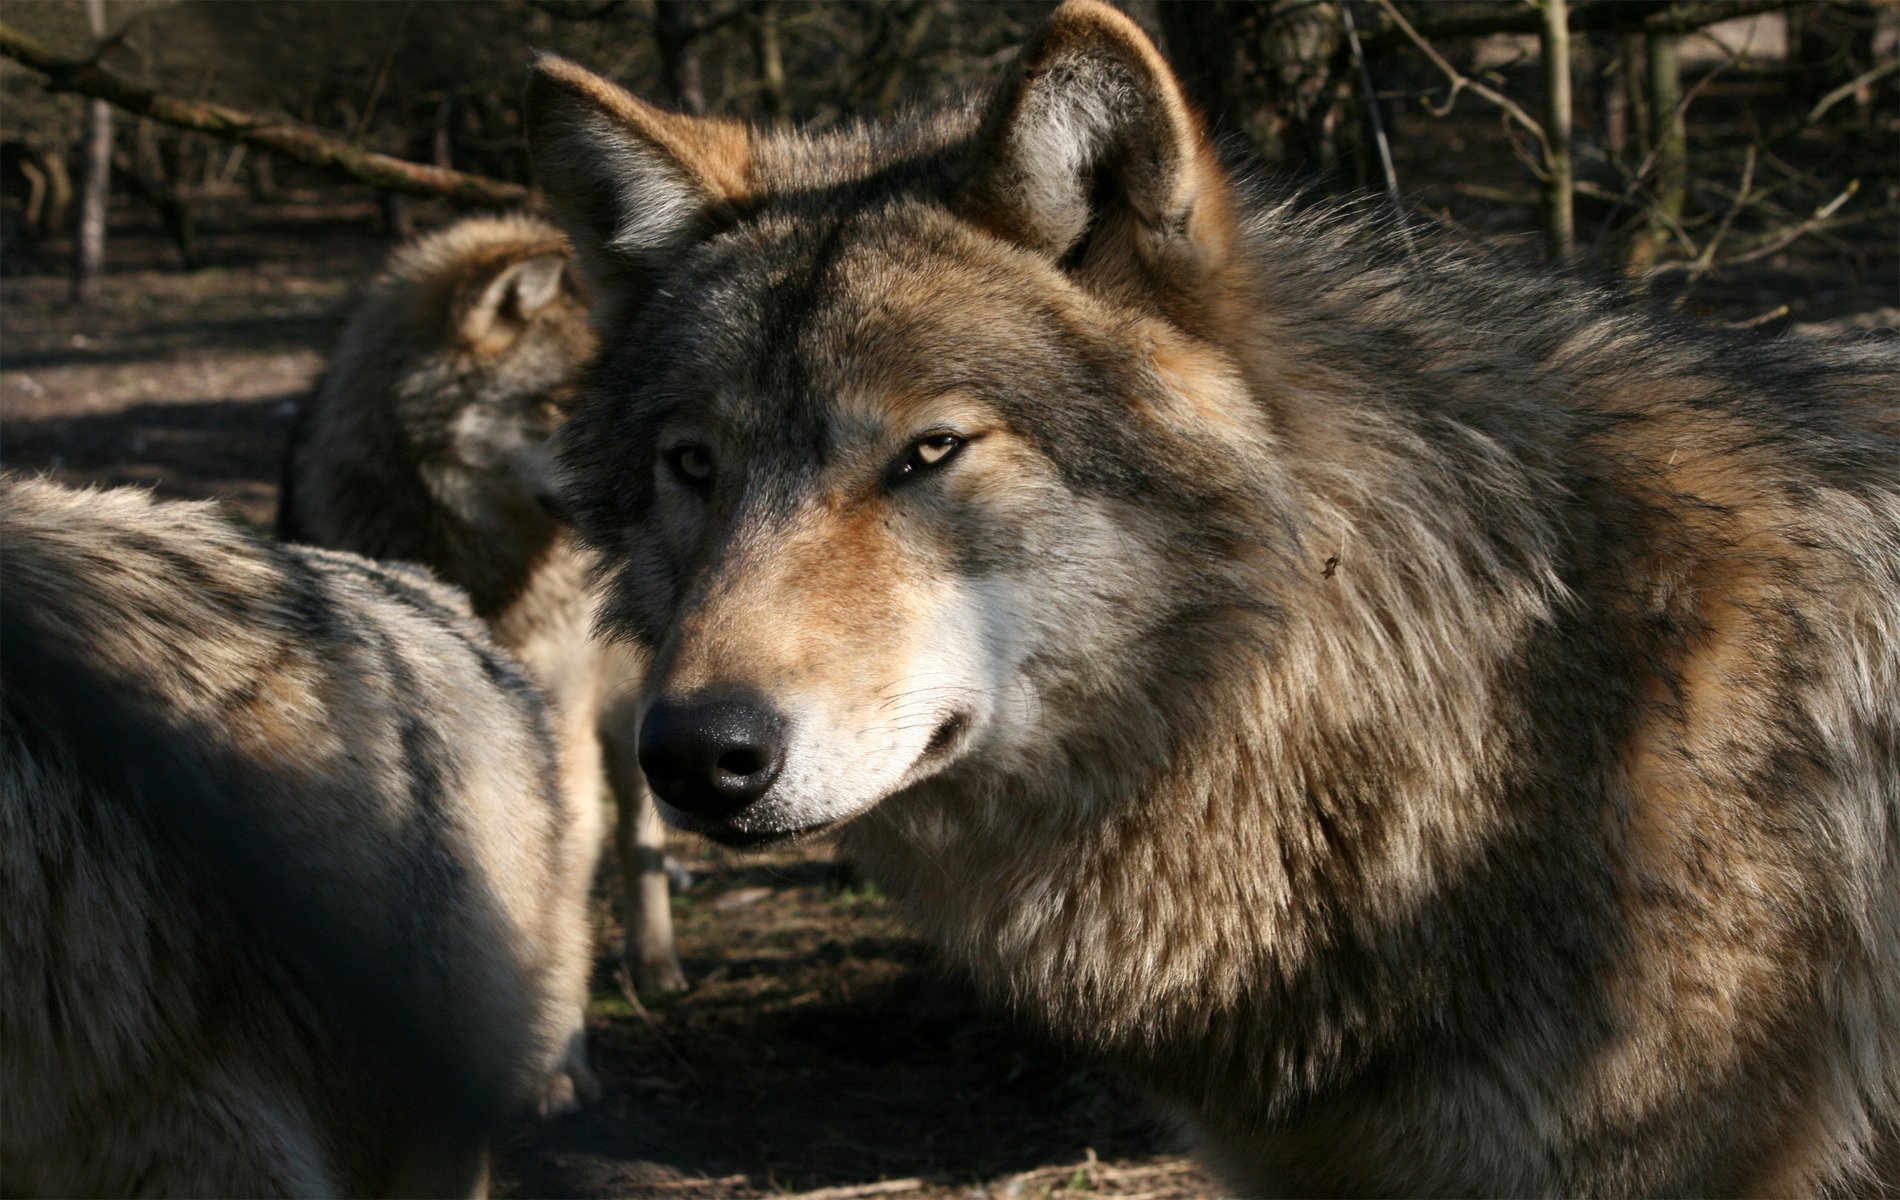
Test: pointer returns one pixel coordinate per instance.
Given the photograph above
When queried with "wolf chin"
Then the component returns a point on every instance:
(290, 891)
(426, 443)
(1429, 724)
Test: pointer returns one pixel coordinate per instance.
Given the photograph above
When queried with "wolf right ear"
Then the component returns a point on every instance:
(1092, 156)
(631, 183)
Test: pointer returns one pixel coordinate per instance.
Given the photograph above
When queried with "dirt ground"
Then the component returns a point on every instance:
(819, 1051)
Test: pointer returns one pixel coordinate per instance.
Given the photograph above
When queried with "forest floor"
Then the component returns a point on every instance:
(819, 1052)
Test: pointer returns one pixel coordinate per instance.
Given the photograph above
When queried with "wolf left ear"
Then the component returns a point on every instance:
(631, 183)
(1092, 153)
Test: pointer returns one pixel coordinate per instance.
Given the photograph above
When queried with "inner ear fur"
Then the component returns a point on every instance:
(1092, 155)
(631, 183)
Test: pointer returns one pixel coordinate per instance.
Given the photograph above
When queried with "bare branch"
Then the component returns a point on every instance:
(1849, 88)
(268, 133)
(1821, 219)
(1378, 127)
(1604, 16)
(1460, 81)
(1706, 260)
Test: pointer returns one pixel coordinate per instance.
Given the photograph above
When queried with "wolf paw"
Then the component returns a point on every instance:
(570, 1085)
(655, 973)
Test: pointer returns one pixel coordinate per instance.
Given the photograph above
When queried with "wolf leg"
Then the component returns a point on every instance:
(651, 958)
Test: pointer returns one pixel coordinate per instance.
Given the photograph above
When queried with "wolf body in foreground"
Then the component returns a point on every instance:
(426, 444)
(1434, 728)
(289, 891)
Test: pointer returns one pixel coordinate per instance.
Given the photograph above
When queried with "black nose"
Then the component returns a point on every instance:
(711, 758)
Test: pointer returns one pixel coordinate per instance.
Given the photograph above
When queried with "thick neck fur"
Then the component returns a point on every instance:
(1380, 803)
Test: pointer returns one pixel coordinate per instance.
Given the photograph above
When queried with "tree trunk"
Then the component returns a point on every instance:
(1669, 144)
(1559, 224)
(89, 248)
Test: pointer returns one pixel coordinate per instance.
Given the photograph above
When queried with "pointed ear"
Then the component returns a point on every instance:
(631, 183)
(1091, 153)
(494, 307)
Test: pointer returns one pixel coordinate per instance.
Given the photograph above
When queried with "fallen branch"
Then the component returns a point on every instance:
(85, 77)
(851, 1191)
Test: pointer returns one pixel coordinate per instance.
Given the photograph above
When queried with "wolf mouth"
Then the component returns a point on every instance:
(750, 839)
(949, 734)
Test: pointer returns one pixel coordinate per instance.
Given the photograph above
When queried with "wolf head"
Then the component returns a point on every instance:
(910, 446)
(490, 317)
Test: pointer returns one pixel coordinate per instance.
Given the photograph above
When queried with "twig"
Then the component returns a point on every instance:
(382, 74)
(1460, 81)
(1378, 129)
(1635, 179)
(883, 1187)
(632, 997)
(1774, 314)
(1706, 259)
(268, 133)
(1605, 16)
(577, 10)
(1849, 88)
(1820, 219)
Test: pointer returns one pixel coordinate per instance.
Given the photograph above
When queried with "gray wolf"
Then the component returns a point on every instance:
(426, 443)
(289, 888)
(1433, 726)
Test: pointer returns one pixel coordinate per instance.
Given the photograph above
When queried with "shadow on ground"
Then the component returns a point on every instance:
(820, 1049)
(210, 449)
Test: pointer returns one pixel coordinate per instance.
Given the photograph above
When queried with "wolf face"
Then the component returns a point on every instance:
(477, 407)
(873, 442)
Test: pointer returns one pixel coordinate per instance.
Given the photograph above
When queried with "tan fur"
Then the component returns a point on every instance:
(182, 1017)
(378, 467)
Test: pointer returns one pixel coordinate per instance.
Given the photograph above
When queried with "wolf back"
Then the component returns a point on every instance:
(280, 830)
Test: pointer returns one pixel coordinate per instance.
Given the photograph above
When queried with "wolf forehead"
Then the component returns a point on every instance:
(807, 329)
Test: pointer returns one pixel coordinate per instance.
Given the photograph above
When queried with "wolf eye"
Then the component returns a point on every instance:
(926, 453)
(691, 464)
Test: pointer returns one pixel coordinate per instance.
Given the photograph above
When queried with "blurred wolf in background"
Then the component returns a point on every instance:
(1436, 728)
(426, 444)
(289, 891)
